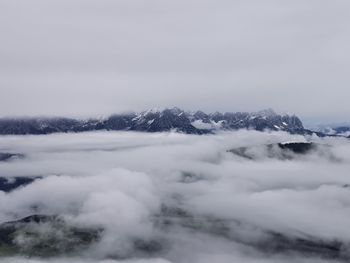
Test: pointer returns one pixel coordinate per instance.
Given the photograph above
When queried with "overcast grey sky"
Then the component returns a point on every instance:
(93, 57)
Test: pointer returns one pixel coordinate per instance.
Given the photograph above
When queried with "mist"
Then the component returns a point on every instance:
(170, 197)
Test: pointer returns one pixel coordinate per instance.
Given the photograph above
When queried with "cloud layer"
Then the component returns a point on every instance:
(186, 194)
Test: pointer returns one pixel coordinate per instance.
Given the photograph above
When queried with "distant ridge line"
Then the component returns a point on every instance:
(155, 120)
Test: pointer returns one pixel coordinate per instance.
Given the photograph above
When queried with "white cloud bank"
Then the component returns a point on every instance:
(214, 202)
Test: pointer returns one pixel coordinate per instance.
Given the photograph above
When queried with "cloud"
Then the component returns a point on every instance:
(185, 197)
(100, 57)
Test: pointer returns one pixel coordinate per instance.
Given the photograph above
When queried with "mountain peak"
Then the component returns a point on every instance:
(266, 113)
(157, 120)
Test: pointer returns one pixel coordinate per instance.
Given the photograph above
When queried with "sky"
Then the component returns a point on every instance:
(97, 57)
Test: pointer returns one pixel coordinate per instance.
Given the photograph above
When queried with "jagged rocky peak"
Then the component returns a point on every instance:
(200, 115)
(159, 120)
(200, 122)
(151, 111)
(216, 116)
(175, 111)
(266, 113)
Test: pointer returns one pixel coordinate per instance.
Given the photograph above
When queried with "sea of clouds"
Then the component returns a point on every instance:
(187, 193)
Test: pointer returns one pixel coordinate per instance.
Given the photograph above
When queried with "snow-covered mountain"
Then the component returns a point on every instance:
(156, 120)
(340, 129)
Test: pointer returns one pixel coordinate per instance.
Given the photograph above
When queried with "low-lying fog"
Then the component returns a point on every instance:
(172, 197)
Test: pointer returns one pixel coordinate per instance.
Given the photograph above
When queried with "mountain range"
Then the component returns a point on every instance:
(154, 120)
(340, 129)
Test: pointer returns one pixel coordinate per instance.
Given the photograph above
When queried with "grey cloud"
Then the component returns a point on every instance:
(98, 57)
